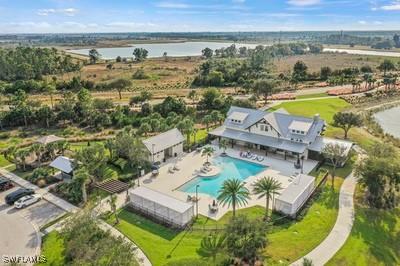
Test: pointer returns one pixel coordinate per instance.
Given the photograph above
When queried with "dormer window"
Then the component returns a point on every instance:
(300, 127)
(237, 117)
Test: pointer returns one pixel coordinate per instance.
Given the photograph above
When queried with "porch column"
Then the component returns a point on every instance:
(285, 155)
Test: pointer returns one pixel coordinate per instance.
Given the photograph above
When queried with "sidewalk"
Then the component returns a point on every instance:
(342, 229)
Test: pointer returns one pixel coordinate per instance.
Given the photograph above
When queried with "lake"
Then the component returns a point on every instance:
(158, 49)
(363, 52)
(390, 121)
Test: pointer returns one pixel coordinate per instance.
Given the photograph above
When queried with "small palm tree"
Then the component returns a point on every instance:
(223, 144)
(207, 151)
(266, 187)
(83, 176)
(233, 192)
(112, 201)
(212, 245)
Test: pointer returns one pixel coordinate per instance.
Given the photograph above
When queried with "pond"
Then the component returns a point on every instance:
(389, 120)
(157, 49)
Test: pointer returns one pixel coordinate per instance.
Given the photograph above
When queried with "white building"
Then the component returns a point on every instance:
(165, 145)
(65, 165)
(162, 207)
(295, 195)
(276, 132)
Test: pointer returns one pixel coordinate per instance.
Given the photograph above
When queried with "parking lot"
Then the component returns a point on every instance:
(19, 227)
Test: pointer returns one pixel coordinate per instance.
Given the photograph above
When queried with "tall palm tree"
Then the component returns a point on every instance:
(207, 151)
(267, 187)
(51, 89)
(82, 175)
(233, 192)
(112, 201)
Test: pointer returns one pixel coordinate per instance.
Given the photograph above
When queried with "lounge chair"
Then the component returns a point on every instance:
(254, 157)
(176, 167)
(260, 158)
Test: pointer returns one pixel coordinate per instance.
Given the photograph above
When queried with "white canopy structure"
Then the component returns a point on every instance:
(65, 165)
(48, 139)
(295, 195)
(161, 206)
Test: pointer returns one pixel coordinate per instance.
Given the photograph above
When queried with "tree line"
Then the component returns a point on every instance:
(24, 63)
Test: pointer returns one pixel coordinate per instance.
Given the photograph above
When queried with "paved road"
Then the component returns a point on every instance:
(342, 229)
(18, 235)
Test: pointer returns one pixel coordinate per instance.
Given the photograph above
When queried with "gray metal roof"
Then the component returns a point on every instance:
(320, 142)
(164, 140)
(161, 199)
(277, 143)
(63, 164)
(296, 188)
(253, 116)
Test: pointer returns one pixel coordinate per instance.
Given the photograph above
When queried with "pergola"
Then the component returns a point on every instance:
(160, 206)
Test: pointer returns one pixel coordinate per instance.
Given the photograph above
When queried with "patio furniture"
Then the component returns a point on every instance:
(176, 167)
(260, 158)
(170, 170)
(189, 198)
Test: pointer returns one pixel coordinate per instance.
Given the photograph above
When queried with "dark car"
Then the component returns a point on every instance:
(16, 195)
(5, 184)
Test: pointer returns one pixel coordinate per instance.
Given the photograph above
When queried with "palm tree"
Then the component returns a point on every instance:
(37, 149)
(207, 120)
(266, 187)
(112, 201)
(233, 192)
(82, 175)
(223, 144)
(212, 245)
(207, 151)
(195, 130)
(51, 89)
(110, 146)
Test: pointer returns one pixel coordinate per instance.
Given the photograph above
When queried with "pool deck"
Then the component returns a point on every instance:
(191, 163)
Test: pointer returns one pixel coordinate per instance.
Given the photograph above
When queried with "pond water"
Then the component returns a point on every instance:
(390, 121)
(158, 49)
(363, 52)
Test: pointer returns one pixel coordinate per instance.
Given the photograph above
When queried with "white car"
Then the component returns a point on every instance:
(27, 200)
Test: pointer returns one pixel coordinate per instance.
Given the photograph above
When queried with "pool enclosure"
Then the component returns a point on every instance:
(161, 207)
(295, 195)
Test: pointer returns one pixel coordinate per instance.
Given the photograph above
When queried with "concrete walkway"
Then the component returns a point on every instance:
(342, 229)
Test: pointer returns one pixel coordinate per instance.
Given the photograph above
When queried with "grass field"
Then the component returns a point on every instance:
(314, 95)
(175, 246)
(374, 239)
(53, 249)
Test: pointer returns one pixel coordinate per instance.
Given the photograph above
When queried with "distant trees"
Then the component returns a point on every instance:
(94, 56)
(207, 52)
(140, 54)
(386, 65)
(325, 73)
(316, 48)
(346, 120)
(299, 71)
(25, 63)
(120, 85)
(264, 87)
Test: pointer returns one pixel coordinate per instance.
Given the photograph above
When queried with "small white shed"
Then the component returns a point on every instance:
(165, 145)
(295, 195)
(161, 206)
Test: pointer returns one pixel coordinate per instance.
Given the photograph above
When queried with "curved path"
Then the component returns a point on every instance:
(342, 229)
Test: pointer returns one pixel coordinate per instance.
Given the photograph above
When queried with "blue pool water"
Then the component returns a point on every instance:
(230, 168)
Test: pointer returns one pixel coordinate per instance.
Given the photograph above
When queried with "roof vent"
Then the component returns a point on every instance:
(316, 117)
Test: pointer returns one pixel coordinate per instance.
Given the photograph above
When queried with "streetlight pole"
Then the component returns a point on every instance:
(152, 146)
(197, 201)
(139, 174)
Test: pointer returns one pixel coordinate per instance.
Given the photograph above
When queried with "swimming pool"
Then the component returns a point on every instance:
(230, 168)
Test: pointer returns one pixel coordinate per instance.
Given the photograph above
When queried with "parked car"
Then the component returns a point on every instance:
(27, 200)
(5, 184)
(16, 195)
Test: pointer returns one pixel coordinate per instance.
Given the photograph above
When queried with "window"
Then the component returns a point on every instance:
(262, 127)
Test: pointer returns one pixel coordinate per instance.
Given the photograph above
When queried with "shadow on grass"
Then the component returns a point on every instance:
(148, 225)
(380, 230)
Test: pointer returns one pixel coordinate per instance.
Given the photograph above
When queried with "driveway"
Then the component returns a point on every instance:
(19, 229)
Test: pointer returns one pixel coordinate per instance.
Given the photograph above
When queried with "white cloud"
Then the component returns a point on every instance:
(238, 1)
(303, 2)
(393, 6)
(362, 22)
(172, 5)
(66, 11)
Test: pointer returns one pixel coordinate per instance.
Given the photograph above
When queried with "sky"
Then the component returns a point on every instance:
(77, 16)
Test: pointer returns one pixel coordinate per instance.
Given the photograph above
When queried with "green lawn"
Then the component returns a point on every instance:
(53, 249)
(374, 239)
(287, 242)
(3, 161)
